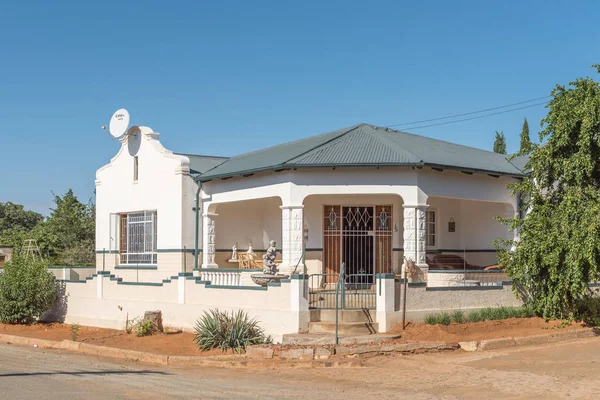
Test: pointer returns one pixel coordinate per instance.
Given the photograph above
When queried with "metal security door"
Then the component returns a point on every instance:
(358, 243)
(360, 238)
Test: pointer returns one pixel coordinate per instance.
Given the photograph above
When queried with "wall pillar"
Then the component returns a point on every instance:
(385, 290)
(181, 289)
(292, 238)
(414, 237)
(99, 285)
(208, 240)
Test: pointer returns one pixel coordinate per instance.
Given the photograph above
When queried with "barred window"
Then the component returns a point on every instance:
(138, 238)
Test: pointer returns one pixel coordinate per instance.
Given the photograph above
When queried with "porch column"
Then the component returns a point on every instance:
(414, 236)
(208, 240)
(292, 239)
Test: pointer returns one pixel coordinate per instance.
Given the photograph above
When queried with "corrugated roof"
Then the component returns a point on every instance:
(201, 164)
(365, 145)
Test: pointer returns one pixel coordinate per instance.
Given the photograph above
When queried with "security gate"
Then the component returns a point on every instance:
(360, 237)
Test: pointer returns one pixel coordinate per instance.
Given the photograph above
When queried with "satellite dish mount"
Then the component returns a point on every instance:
(119, 127)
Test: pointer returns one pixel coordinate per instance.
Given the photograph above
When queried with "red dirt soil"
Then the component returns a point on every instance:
(512, 327)
(181, 344)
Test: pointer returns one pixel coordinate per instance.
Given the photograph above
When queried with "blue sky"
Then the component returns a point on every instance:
(224, 78)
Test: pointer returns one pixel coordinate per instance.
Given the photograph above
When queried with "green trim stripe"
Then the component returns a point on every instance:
(138, 267)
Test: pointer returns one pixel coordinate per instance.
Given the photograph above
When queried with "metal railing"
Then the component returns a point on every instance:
(348, 291)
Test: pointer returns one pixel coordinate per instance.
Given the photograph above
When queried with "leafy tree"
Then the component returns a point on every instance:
(14, 216)
(526, 144)
(27, 290)
(558, 251)
(66, 237)
(500, 143)
(71, 226)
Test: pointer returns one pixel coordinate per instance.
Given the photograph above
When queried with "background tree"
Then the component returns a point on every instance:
(72, 223)
(526, 145)
(500, 143)
(558, 252)
(66, 237)
(14, 216)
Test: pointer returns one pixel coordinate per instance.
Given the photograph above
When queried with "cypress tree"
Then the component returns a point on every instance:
(526, 145)
(500, 143)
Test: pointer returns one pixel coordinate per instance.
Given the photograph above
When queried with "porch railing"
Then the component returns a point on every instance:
(221, 276)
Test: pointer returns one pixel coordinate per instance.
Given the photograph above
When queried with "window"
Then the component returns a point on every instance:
(430, 228)
(138, 238)
(135, 169)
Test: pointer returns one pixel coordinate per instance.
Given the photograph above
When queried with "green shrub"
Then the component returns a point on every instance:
(458, 316)
(27, 290)
(485, 314)
(144, 328)
(441, 319)
(74, 332)
(222, 330)
(474, 316)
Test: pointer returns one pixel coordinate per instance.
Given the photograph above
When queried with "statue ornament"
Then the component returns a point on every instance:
(270, 268)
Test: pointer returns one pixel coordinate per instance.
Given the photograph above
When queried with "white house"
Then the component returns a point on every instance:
(364, 196)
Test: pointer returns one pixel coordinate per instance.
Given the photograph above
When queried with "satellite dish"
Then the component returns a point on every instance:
(119, 123)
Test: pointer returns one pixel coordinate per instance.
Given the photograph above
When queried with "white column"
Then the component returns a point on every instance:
(181, 290)
(385, 301)
(292, 238)
(414, 235)
(99, 285)
(208, 240)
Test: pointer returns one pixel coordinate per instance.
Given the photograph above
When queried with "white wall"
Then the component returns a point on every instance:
(163, 185)
(279, 310)
(252, 221)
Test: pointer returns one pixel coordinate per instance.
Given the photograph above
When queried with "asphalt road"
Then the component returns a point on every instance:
(558, 371)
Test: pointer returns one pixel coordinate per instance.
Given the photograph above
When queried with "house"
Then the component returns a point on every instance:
(5, 254)
(365, 196)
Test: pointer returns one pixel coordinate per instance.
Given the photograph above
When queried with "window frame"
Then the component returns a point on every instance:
(435, 229)
(132, 239)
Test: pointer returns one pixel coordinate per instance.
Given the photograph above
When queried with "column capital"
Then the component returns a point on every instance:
(290, 207)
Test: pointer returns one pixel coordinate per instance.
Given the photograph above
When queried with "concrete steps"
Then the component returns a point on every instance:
(313, 339)
(344, 328)
(350, 322)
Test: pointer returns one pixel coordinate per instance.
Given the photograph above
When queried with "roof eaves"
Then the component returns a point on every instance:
(285, 166)
(466, 169)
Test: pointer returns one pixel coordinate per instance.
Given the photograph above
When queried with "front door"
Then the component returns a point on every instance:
(359, 236)
(358, 242)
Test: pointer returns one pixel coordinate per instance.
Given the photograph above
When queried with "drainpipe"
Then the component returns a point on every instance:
(197, 210)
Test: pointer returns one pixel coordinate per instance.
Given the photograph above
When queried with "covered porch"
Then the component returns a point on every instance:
(370, 233)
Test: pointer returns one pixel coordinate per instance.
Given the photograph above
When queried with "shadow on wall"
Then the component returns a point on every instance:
(58, 312)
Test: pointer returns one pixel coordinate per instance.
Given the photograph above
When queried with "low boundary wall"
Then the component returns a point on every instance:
(75, 273)
(422, 300)
(104, 300)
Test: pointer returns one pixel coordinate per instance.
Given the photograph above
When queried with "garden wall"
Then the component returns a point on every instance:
(422, 300)
(104, 301)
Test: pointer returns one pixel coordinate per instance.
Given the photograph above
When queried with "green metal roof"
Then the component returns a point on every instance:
(201, 164)
(365, 145)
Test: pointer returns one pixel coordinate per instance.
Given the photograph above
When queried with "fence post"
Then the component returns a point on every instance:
(404, 287)
(385, 300)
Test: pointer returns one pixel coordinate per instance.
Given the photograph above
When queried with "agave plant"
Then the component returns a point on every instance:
(222, 330)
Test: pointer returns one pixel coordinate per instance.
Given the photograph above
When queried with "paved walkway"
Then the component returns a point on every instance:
(555, 371)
